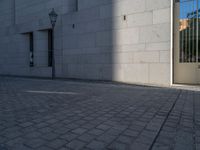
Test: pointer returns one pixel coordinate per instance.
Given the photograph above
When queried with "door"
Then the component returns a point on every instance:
(186, 44)
(198, 74)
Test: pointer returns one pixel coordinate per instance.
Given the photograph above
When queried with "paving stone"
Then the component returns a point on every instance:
(12, 135)
(81, 122)
(96, 145)
(161, 147)
(15, 141)
(76, 145)
(51, 121)
(21, 147)
(45, 130)
(96, 132)
(58, 143)
(120, 127)
(100, 115)
(69, 136)
(3, 140)
(50, 136)
(113, 132)
(79, 131)
(41, 125)
(131, 133)
(64, 148)
(1, 128)
(3, 147)
(106, 138)
(33, 135)
(197, 146)
(26, 124)
(117, 146)
(61, 130)
(72, 126)
(45, 148)
(35, 143)
(125, 139)
(103, 127)
(165, 140)
(86, 137)
(29, 129)
(88, 126)
(139, 146)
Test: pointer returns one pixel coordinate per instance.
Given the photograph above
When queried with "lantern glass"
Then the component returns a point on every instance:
(53, 17)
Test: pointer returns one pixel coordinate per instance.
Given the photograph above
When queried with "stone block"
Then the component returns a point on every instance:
(134, 73)
(155, 33)
(146, 57)
(161, 16)
(159, 73)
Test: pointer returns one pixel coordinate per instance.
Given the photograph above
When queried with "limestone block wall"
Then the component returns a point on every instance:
(39, 9)
(6, 12)
(21, 17)
(120, 40)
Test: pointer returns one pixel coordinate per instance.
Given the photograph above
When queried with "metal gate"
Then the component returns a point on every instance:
(187, 45)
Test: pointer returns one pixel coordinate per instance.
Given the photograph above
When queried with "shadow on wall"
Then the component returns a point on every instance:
(88, 41)
(120, 40)
(106, 40)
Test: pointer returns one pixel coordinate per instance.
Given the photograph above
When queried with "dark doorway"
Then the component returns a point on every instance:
(50, 47)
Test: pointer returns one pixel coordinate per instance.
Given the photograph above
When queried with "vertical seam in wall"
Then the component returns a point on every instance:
(14, 13)
(171, 45)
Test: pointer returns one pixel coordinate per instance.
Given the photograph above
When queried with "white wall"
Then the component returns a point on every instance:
(21, 18)
(102, 45)
(105, 46)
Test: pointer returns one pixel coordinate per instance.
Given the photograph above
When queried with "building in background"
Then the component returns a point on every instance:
(120, 40)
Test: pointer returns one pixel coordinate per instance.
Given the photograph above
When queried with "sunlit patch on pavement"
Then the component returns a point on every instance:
(52, 92)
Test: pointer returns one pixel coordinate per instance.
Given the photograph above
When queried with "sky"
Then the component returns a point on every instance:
(187, 6)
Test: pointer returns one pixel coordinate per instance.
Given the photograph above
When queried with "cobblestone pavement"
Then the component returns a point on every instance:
(65, 115)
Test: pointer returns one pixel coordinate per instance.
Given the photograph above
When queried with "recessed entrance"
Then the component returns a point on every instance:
(187, 42)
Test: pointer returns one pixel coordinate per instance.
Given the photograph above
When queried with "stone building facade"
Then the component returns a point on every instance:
(127, 41)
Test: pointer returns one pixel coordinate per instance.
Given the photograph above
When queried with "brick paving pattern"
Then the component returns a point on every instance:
(64, 115)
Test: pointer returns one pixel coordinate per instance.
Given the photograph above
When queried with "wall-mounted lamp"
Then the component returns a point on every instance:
(125, 17)
(53, 17)
(73, 26)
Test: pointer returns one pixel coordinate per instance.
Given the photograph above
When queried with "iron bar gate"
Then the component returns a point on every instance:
(189, 31)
